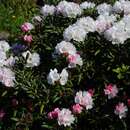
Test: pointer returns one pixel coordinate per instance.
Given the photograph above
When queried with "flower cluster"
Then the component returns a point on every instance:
(120, 31)
(112, 22)
(27, 27)
(32, 59)
(64, 116)
(106, 23)
(67, 9)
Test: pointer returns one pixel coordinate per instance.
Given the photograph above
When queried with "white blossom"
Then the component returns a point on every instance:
(118, 7)
(47, 10)
(4, 46)
(10, 61)
(104, 9)
(7, 77)
(87, 5)
(87, 23)
(65, 48)
(2, 58)
(68, 9)
(33, 59)
(104, 22)
(54, 77)
(74, 32)
(64, 77)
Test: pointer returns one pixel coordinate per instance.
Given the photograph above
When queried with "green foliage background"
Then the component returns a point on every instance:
(103, 63)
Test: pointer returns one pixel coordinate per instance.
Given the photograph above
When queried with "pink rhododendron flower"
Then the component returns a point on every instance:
(77, 109)
(27, 27)
(111, 91)
(28, 38)
(121, 110)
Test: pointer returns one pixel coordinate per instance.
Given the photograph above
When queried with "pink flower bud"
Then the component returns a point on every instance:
(50, 115)
(27, 27)
(53, 114)
(28, 38)
(91, 91)
(77, 109)
(128, 102)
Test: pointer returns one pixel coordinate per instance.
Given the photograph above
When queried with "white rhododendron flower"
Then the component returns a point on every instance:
(65, 48)
(33, 59)
(104, 9)
(126, 6)
(104, 22)
(64, 77)
(65, 117)
(75, 32)
(4, 46)
(118, 7)
(10, 61)
(2, 58)
(54, 77)
(47, 10)
(74, 60)
(36, 19)
(121, 110)
(7, 77)
(68, 9)
(117, 33)
(84, 98)
(87, 5)
(87, 23)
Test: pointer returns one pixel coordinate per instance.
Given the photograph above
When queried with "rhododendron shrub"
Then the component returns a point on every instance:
(69, 69)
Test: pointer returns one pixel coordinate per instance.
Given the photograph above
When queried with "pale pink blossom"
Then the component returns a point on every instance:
(111, 91)
(28, 38)
(27, 27)
(120, 110)
(84, 98)
(74, 60)
(65, 117)
(77, 109)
